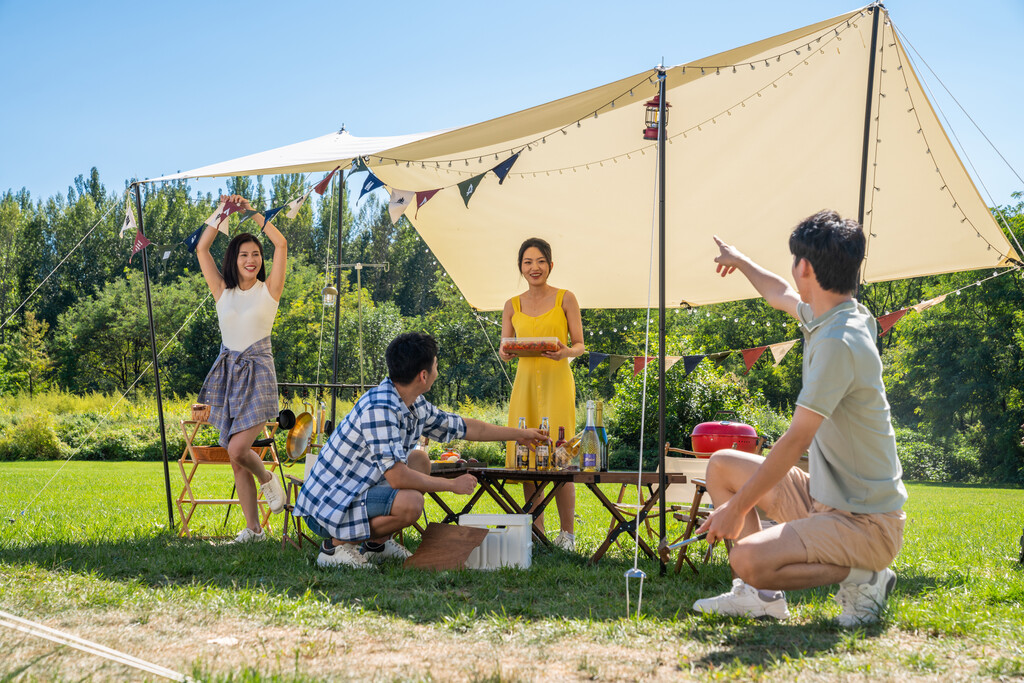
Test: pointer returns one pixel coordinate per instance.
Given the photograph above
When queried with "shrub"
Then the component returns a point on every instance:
(32, 438)
(936, 460)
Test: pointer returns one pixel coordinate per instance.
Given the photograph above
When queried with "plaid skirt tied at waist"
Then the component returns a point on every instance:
(241, 389)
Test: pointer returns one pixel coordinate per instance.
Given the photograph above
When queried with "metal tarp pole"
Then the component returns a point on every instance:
(337, 299)
(156, 361)
(662, 123)
(876, 11)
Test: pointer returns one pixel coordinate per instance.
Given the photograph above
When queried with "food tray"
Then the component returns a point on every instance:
(528, 346)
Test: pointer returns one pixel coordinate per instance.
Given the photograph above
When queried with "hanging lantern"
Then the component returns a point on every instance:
(651, 132)
(330, 295)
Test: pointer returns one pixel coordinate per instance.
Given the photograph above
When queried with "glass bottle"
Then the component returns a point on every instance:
(522, 450)
(542, 451)
(561, 461)
(602, 436)
(590, 443)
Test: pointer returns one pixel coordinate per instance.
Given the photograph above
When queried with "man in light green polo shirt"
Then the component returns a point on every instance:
(843, 522)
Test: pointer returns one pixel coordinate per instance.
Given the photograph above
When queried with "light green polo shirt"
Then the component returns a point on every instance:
(852, 458)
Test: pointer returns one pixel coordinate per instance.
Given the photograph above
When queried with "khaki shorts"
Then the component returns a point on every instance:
(832, 536)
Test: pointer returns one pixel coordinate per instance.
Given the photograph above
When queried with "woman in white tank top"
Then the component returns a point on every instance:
(241, 387)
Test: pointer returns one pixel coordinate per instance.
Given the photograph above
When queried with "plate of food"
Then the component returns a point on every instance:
(528, 346)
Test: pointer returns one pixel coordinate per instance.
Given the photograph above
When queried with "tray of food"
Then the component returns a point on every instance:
(528, 346)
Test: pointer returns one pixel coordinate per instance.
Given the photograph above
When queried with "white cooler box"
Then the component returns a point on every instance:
(509, 541)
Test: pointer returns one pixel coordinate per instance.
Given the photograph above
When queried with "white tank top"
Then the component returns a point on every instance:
(245, 317)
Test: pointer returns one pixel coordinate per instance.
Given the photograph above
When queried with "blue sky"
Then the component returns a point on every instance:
(145, 89)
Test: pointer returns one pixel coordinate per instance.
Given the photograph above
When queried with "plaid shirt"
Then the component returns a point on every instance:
(378, 433)
(241, 389)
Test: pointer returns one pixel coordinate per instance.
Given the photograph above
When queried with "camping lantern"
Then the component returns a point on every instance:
(651, 132)
(330, 296)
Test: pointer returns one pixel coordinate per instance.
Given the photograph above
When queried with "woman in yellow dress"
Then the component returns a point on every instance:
(544, 385)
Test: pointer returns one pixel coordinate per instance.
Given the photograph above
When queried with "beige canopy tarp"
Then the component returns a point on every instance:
(759, 137)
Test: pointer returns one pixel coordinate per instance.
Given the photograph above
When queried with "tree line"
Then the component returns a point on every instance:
(952, 372)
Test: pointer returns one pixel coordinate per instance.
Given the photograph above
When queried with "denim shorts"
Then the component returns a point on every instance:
(378, 500)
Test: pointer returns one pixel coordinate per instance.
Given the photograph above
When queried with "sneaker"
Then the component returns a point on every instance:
(862, 602)
(345, 555)
(744, 601)
(273, 493)
(392, 550)
(247, 535)
(565, 541)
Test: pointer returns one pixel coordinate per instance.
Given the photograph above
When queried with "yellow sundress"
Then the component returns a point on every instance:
(543, 387)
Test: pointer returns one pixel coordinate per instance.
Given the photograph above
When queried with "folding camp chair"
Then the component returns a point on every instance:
(678, 497)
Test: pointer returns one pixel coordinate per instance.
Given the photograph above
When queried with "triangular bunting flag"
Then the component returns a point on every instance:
(502, 169)
(670, 361)
(423, 197)
(928, 304)
(294, 206)
(269, 214)
(321, 187)
(750, 356)
(596, 359)
(129, 221)
(615, 363)
(718, 357)
(640, 362)
(468, 187)
(358, 165)
(886, 322)
(780, 350)
(219, 218)
(140, 243)
(192, 240)
(246, 215)
(400, 201)
(371, 183)
(690, 363)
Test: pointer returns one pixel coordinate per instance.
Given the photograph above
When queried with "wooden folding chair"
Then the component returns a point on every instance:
(678, 497)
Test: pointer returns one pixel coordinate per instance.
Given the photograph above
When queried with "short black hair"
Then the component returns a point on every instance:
(834, 246)
(231, 259)
(409, 354)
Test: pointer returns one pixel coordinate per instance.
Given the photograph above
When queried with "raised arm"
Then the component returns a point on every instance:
(214, 280)
(275, 280)
(775, 290)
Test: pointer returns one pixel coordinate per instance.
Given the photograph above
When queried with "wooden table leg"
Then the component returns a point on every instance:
(624, 524)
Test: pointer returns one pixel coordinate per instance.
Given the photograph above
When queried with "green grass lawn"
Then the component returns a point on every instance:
(93, 557)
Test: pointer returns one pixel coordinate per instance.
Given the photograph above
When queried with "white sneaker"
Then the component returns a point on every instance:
(744, 601)
(273, 493)
(392, 550)
(565, 541)
(247, 535)
(345, 555)
(862, 602)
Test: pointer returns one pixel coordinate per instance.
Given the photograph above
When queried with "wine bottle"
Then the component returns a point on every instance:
(602, 436)
(522, 450)
(590, 445)
(543, 450)
(561, 461)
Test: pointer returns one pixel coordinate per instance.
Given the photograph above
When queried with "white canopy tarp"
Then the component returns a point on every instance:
(759, 137)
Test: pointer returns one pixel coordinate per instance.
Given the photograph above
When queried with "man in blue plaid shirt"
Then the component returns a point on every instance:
(369, 478)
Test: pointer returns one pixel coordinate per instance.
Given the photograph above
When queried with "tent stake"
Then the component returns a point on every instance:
(662, 124)
(876, 11)
(156, 363)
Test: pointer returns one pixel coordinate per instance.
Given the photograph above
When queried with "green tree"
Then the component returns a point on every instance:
(30, 364)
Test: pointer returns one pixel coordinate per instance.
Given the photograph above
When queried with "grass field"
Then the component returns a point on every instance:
(94, 557)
